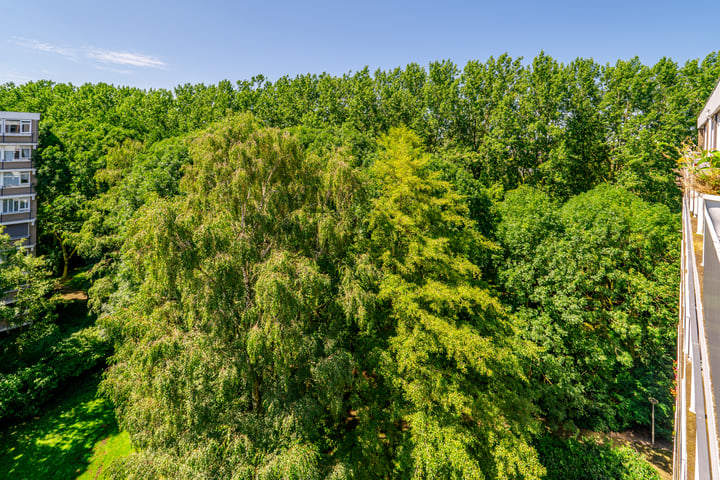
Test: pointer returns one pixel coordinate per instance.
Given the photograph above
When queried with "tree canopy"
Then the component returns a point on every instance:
(411, 273)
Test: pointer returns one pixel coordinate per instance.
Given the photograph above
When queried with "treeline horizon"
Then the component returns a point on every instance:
(415, 273)
(467, 107)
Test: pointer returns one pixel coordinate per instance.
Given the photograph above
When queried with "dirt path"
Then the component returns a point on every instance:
(68, 293)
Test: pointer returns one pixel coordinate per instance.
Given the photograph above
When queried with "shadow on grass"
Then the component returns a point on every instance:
(58, 444)
(662, 459)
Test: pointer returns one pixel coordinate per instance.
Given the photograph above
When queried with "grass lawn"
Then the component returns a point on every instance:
(105, 451)
(76, 435)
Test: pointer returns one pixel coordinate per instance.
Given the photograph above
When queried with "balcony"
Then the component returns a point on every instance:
(15, 164)
(19, 190)
(19, 138)
(697, 449)
(19, 128)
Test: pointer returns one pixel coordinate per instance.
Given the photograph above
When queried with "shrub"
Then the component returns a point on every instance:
(568, 459)
(25, 389)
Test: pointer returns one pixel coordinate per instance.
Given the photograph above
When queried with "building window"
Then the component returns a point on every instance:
(15, 179)
(15, 127)
(16, 205)
(17, 153)
(12, 126)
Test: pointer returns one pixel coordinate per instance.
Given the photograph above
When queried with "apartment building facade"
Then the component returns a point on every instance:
(708, 122)
(18, 205)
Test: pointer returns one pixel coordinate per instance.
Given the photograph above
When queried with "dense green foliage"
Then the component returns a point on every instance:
(37, 352)
(596, 279)
(247, 291)
(450, 354)
(570, 459)
(25, 279)
(405, 274)
(24, 390)
(566, 128)
(237, 300)
(40, 357)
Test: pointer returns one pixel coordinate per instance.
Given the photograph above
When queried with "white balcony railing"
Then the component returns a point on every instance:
(698, 343)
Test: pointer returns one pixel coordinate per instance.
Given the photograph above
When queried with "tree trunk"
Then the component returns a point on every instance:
(66, 259)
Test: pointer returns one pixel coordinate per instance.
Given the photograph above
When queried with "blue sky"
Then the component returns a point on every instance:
(161, 43)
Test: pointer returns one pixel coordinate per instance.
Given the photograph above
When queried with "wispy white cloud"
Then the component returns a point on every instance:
(72, 53)
(94, 55)
(125, 58)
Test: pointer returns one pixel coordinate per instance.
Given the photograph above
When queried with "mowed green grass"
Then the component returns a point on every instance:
(105, 451)
(75, 436)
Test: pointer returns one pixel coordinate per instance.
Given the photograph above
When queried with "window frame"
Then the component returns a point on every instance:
(24, 179)
(17, 205)
(16, 154)
(11, 123)
(21, 125)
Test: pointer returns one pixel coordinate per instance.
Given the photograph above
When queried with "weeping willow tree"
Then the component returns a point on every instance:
(287, 316)
(230, 360)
